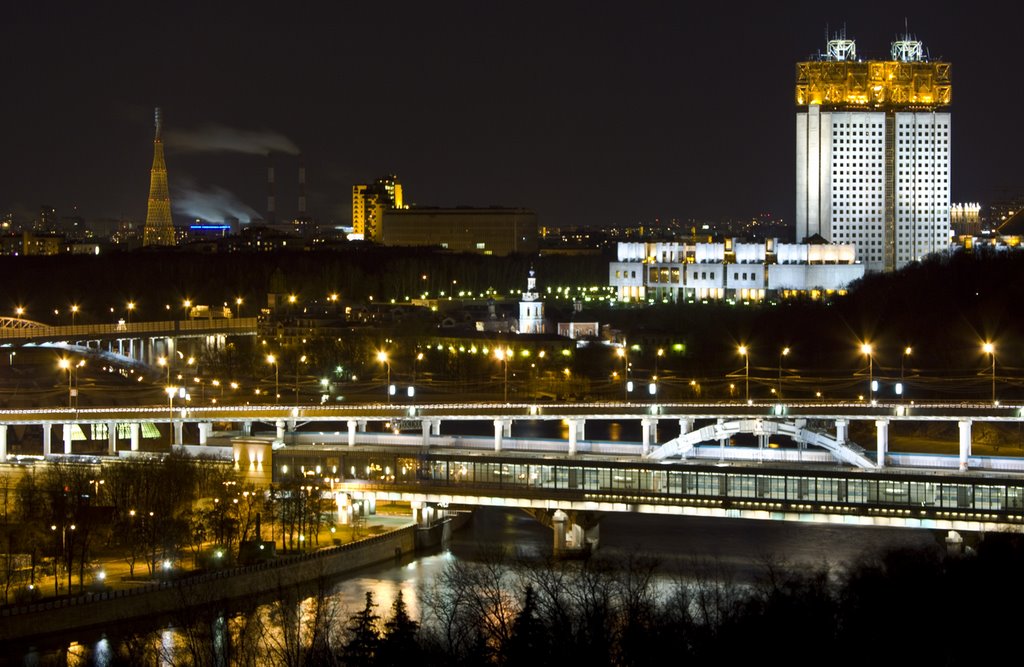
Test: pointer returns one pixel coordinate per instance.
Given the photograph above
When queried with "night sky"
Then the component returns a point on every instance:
(587, 112)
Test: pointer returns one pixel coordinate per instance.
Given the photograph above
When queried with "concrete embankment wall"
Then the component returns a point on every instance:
(112, 607)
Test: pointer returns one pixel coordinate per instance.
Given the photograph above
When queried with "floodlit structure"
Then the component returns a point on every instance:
(873, 153)
(159, 229)
(531, 308)
(369, 201)
(731, 270)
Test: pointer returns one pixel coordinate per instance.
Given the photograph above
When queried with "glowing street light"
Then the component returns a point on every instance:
(238, 305)
(382, 357)
(866, 349)
(783, 353)
(65, 364)
(745, 353)
(271, 359)
(74, 311)
(19, 311)
(164, 361)
(131, 309)
(171, 391)
(300, 360)
(502, 356)
(620, 352)
(990, 349)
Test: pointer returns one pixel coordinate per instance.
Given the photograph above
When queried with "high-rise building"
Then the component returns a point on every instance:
(873, 153)
(159, 229)
(369, 201)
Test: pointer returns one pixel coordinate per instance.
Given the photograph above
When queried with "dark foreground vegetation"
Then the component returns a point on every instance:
(903, 607)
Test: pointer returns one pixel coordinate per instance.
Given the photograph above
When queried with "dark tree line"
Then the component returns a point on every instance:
(903, 606)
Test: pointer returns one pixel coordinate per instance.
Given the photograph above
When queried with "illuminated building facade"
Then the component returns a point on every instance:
(730, 270)
(488, 231)
(965, 219)
(369, 201)
(159, 229)
(873, 153)
(531, 308)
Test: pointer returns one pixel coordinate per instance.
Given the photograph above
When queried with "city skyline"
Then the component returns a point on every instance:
(586, 114)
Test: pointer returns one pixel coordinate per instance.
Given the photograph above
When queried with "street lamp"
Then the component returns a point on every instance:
(164, 361)
(65, 364)
(620, 352)
(745, 353)
(382, 357)
(187, 303)
(271, 359)
(990, 349)
(784, 353)
(170, 404)
(63, 554)
(865, 349)
(131, 309)
(502, 356)
(238, 305)
(74, 311)
(19, 311)
(300, 360)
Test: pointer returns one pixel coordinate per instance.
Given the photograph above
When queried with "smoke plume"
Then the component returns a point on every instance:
(213, 204)
(220, 139)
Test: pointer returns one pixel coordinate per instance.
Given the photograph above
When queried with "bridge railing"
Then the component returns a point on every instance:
(129, 329)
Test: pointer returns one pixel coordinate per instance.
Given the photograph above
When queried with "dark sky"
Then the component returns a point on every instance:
(587, 112)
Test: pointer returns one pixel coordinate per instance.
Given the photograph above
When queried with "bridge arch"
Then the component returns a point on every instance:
(20, 323)
(843, 451)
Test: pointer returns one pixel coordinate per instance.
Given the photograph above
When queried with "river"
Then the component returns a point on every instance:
(737, 546)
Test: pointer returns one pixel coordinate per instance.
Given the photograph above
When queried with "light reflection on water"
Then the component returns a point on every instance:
(740, 546)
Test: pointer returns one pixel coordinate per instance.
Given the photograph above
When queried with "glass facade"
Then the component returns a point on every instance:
(670, 483)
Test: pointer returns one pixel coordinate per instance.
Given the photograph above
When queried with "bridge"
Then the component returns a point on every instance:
(139, 341)
(372, 452)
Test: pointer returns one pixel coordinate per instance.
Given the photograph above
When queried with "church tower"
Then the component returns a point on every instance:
(531, 308)
(159, 230)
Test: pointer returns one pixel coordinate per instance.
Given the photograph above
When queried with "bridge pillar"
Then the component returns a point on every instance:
(575, 433)
(685, 424)
(435, 427)
(965, 442)
(425, 425)
(499, 431)
(246, 428)
(762, 444)
(67, 438)
(112, 438)
(361, 423)
(645, 430)
(558, 522)
(722, 442)
(178, 433)
(291, 425)
(280, 425)
(841, 428)
(351, 424)
(882, 441)
(205, 429)
(47, 438)
(133, 431)
(3, 443)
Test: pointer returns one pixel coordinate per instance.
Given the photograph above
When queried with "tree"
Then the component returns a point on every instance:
(399, 645)
(529, 642)
(363, 636)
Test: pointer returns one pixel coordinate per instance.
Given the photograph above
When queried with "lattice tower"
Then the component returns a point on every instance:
(159, 228)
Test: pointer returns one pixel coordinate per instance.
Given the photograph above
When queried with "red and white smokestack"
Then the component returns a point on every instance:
(302, 191)
(271, 204)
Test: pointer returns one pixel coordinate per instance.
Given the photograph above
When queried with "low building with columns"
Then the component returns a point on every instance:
(731, 270)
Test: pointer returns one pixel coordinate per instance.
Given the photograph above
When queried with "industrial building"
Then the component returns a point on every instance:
(488, 231)
(873, 153)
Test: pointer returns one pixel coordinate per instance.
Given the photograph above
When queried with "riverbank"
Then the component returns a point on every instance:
(110, 607)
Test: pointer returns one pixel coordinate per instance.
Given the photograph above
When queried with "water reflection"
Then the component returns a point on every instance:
(258, 632)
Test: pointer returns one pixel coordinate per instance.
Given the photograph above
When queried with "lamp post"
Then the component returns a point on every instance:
(65, 364)
(74, 311)
(990, 349)
(170, 404)
(131, 308)
(783, 353)
(745, 353)
(271, 359)
(238, 305)
(300, 360)
(621, 353)
(186, 304)
(164, 361)
(382, 357)
(865, 348)
(63, 555)
(502, 356)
